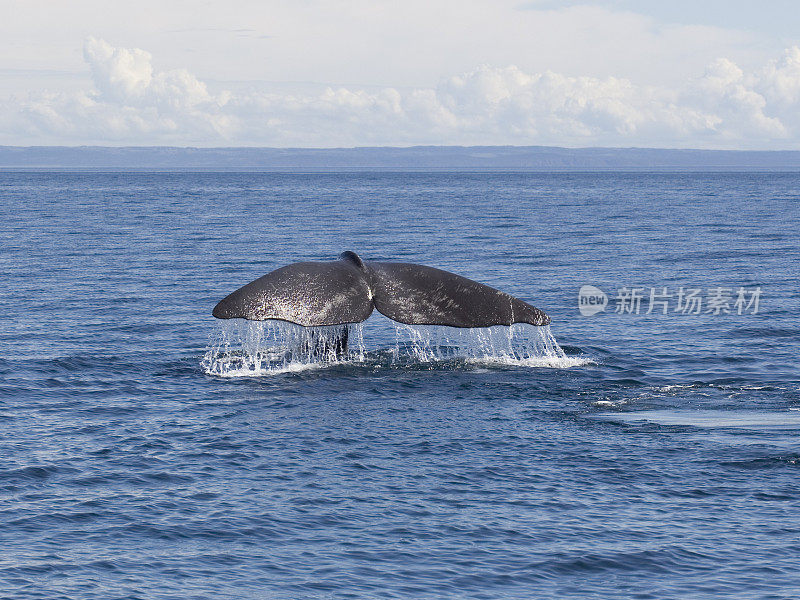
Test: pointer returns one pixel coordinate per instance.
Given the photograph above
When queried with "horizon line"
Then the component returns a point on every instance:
(393, 147)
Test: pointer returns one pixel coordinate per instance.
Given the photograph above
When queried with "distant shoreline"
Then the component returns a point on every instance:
(382, 159)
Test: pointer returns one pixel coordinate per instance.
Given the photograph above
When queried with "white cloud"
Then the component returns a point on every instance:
(779, 85)
(376, 42)
(132, 102)
(119, 74)
(739, 112)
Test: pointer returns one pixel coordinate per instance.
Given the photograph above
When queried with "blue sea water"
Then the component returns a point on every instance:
(660, 460)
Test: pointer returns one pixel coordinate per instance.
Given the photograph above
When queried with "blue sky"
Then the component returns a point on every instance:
(775, 18)
(707, 74)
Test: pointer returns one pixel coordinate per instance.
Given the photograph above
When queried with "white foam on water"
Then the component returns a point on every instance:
(257, 348)
(610, 403)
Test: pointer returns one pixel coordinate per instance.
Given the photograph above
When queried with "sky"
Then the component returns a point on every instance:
(307, 73)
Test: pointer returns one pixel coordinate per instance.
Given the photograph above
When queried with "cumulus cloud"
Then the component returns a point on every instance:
(132, 102)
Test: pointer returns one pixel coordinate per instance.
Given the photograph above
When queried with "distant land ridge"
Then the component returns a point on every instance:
(491, 158)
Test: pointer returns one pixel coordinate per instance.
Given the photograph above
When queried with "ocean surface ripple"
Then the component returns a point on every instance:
(659, 459)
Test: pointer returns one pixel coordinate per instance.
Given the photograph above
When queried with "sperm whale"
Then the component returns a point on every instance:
(347, 290)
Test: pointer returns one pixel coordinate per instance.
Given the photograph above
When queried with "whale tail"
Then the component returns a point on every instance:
(348, 289)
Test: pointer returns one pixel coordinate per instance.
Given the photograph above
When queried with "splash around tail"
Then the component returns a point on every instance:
(254, 348)
(243, 348)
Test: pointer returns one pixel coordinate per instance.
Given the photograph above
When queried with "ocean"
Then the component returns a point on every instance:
(652, 453)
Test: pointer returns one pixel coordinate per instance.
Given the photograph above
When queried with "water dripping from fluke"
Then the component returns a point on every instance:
(244, 348)
(520, 345)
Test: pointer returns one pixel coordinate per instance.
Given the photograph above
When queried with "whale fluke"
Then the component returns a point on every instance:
(305, 293)
(347, 290)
